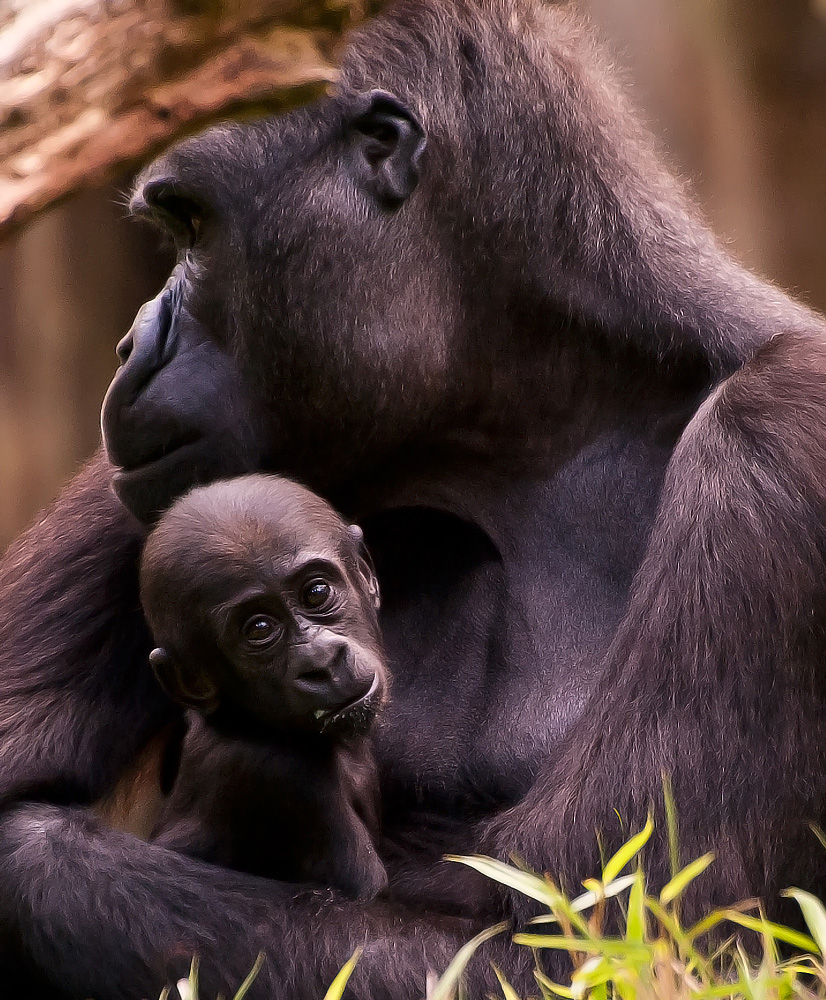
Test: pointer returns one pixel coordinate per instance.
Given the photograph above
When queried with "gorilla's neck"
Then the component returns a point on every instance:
(665, 285)
(622, 257)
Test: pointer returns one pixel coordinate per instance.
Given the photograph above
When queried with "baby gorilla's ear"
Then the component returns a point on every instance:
(188, 687)
(365, 566)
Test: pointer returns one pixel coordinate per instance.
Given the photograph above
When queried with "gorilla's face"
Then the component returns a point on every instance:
(308, 323)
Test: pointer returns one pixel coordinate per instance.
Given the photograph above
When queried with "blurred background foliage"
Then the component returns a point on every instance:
(734, 89)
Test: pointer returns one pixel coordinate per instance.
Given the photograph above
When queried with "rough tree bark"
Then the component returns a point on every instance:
(89, 86)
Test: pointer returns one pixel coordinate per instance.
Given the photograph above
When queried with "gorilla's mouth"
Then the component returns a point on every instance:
(151, 460)
(147, 488)
(354, 718)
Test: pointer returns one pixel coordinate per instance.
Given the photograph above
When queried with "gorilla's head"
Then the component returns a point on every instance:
(412, 260)
(306, 320)
(340, 268)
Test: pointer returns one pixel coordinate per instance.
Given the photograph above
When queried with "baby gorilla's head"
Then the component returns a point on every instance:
(262, 602)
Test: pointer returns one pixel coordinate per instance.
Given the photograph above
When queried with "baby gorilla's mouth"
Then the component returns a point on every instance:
(354, 718)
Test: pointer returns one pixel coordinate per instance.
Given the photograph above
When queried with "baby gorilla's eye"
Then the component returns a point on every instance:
(316, 594)
(260, 630)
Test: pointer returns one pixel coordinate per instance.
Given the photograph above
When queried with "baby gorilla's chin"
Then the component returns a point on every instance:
(356, 717)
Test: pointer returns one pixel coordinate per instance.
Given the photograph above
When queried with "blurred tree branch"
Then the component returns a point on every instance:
(90, 86)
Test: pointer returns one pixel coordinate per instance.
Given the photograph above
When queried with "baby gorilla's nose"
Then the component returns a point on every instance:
(326, 677)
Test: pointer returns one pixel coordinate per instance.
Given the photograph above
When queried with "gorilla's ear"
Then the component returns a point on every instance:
(389, 146)
(365, 567)
(184, 686)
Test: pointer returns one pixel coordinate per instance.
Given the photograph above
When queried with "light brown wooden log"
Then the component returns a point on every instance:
(89, 86)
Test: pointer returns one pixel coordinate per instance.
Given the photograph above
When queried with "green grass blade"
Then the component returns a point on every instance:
(676, 887)
(706, 924)
(801, 967)
(508, 992)
(340, 982)
(529, 885)
(607, 891)
(445, 987)
(818, 832)
(671, 824)
(635, 918)
(243, 989)
(589, 899)
(548, 986)
(814, 913)
(192, 982)
(777, 931)
(598, 990)
(627, 852)
(600, 946)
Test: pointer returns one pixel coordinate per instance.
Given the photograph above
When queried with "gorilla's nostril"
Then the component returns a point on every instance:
(174, 204)
(124, 348)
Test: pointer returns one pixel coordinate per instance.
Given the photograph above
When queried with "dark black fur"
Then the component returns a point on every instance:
(587, 450)
(277, 775)
(298, 809)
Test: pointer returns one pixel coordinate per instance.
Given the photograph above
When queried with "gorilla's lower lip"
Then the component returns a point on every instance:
(147, 490)
(154, 469)
(356, 714)
(152, 462)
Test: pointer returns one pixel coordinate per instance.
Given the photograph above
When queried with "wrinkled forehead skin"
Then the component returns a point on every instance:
(254, 516)
(239, 534)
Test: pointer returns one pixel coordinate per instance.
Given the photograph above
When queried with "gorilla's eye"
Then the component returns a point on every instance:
(260, 630)
(316, 594)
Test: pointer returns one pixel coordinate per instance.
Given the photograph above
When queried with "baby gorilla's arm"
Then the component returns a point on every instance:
(298, 813)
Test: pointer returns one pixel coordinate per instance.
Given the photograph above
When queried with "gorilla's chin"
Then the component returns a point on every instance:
(150, 489)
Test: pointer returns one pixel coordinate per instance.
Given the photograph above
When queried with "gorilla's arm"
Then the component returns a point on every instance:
(718, 662)
(77, 698)
(141, 913)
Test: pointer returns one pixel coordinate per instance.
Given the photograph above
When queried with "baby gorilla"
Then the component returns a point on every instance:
(263, 603)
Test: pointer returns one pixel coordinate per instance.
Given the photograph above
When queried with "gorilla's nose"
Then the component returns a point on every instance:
(125, 347)
(326, 678)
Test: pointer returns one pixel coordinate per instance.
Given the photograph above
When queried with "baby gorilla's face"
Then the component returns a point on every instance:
(301, 641)
(263, 604)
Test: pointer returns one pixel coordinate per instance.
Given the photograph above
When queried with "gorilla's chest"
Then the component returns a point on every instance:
(487, 679)
(494, 650)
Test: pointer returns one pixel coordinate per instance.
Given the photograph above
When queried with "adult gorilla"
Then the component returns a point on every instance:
(460, 298)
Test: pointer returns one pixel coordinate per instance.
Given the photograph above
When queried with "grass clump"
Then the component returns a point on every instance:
(187, 989)
(651, 954)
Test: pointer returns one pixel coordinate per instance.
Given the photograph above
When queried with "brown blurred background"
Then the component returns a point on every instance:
(736, 90)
